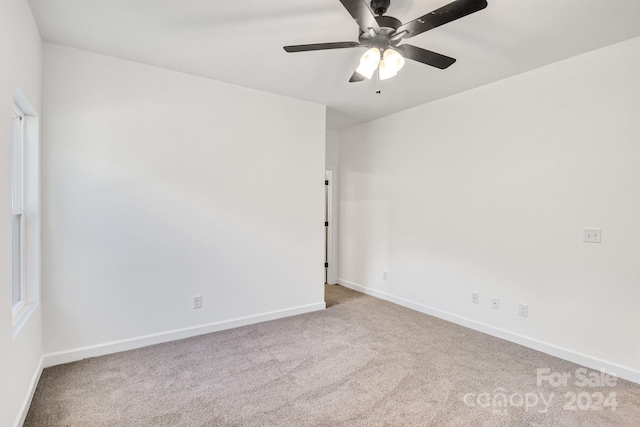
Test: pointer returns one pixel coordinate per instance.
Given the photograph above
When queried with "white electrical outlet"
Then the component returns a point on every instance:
(523, 310)
(495, 303)
(474, 298)
(592, 235)
(385, 275)
(197, 301)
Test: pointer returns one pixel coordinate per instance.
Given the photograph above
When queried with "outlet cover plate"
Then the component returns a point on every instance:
(523, 310)
(197, 301)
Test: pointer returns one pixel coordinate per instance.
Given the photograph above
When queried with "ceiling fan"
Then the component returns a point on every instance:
(382, 34)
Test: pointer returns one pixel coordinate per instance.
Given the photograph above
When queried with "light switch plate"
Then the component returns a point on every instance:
(592, 235)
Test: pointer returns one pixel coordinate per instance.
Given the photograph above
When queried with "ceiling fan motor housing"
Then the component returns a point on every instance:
(382, 39)
(380, 6)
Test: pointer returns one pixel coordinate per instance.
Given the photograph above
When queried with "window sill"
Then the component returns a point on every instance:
(21, 316)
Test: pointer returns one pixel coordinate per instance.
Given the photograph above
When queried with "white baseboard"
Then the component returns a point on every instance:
(551, 349)
(61, 357)
(24, 409)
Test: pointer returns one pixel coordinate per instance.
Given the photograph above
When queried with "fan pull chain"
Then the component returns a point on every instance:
(378, 82)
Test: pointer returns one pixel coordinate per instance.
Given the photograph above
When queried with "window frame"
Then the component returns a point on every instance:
(18, 211)
(26, 205)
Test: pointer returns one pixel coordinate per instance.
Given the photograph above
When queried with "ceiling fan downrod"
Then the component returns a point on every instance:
(380, 7)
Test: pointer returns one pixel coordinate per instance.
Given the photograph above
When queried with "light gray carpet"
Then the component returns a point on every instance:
(361, 362)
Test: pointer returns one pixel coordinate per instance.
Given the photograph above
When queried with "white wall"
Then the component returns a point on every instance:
(20, 67)
(159, 186)
(488, 191)
(332, 148)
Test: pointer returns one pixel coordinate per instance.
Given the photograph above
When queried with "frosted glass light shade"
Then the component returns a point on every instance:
(369, 62)
(391, 63)
(386, 72)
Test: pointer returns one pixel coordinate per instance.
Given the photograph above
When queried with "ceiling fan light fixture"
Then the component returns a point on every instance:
(369, 62)
(382, 32)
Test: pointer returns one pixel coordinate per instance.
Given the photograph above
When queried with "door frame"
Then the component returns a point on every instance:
(331, 232)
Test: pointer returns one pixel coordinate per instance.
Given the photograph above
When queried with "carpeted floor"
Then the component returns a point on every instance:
(361, 362)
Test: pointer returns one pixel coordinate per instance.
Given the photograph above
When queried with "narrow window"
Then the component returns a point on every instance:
(17, 205)
(25, 212)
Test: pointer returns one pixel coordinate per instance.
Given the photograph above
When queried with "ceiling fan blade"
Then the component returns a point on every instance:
(451, 12)
(356, 77)
(361, 13)
(320, 46)
(425, 56)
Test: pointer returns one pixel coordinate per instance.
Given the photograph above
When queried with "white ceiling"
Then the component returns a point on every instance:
(240, 42)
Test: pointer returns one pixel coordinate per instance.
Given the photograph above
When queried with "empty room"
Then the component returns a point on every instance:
(319, 213)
